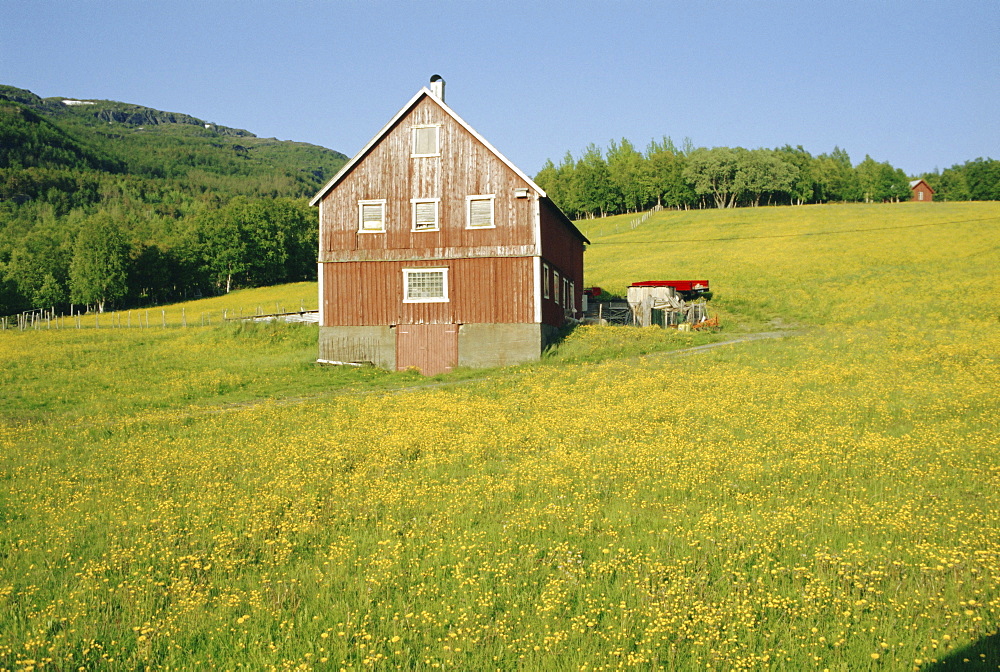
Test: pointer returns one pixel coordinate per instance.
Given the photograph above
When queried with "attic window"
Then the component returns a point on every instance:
(426, 141)
(480, 212)
(425, 214)
(371, 216)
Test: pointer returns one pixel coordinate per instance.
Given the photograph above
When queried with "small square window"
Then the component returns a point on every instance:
(425, 214)
(425, 285)
(371, 216)
(426, 141)
(480, 212)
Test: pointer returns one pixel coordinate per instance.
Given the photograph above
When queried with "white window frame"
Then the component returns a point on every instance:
(468, 210)
(361, 215)
(572, 295)
(545, 281)
(556, 287)
(437, 217)
(407, 272)
(413, 140)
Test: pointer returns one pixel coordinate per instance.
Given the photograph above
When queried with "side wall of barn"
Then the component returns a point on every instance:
(561, 251)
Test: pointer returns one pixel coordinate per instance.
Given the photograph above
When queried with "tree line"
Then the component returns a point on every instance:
(977, 180)
(623, 179)
(100, 260)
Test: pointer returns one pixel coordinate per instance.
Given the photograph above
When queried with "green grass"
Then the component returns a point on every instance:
(210, 498)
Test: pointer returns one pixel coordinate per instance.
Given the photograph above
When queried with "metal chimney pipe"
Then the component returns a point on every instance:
(437, 87)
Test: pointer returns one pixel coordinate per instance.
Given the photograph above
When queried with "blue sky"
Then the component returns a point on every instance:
(914, 83)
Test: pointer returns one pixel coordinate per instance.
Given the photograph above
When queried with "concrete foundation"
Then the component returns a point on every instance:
(479, 345)
(488, 345)
(374, 345)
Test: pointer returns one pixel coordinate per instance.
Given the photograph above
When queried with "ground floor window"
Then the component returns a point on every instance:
(425, 285)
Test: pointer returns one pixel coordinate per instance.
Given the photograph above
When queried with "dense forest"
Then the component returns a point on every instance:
(623, 179)
(110, 204)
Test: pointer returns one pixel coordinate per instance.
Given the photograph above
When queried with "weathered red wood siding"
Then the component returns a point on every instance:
(465, 168)
(484, 290)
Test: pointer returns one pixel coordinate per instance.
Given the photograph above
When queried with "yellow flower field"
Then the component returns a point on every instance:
(827, 500)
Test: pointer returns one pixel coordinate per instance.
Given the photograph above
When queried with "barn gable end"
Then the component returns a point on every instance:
(430, 225)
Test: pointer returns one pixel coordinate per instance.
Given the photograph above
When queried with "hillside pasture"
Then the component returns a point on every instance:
(826, 500)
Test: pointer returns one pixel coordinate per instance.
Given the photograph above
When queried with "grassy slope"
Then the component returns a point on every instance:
(814, 264)
(825, 501)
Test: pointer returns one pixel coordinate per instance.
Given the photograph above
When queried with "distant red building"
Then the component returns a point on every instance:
(922, 191)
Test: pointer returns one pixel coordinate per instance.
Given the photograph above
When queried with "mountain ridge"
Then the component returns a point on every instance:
(196, 207)
(110, 111)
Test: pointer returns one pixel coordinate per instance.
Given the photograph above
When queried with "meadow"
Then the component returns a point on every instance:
(210, 498)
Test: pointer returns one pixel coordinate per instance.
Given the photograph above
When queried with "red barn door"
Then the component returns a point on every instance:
(432, 348)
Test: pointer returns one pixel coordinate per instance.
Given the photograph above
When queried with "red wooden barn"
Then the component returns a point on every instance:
(922, 191)
(435, 251)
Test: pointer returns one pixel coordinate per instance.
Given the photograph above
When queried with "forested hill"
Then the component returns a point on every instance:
(140, 141)
(165, 187)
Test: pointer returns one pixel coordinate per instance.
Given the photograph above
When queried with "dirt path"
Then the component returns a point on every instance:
(760, 336)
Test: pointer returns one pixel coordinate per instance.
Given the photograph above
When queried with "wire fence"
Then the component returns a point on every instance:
(152, 318)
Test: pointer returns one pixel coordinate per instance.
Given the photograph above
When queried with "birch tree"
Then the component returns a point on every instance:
(98, 272)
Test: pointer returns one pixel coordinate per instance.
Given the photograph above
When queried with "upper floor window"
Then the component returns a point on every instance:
(426, 141)
(425, 214)
(480, 212)
(371, 216)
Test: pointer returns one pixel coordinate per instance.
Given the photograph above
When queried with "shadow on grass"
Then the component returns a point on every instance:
(984, 654)
(561, 336)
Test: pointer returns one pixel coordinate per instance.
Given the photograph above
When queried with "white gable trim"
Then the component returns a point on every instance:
(392, 122)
